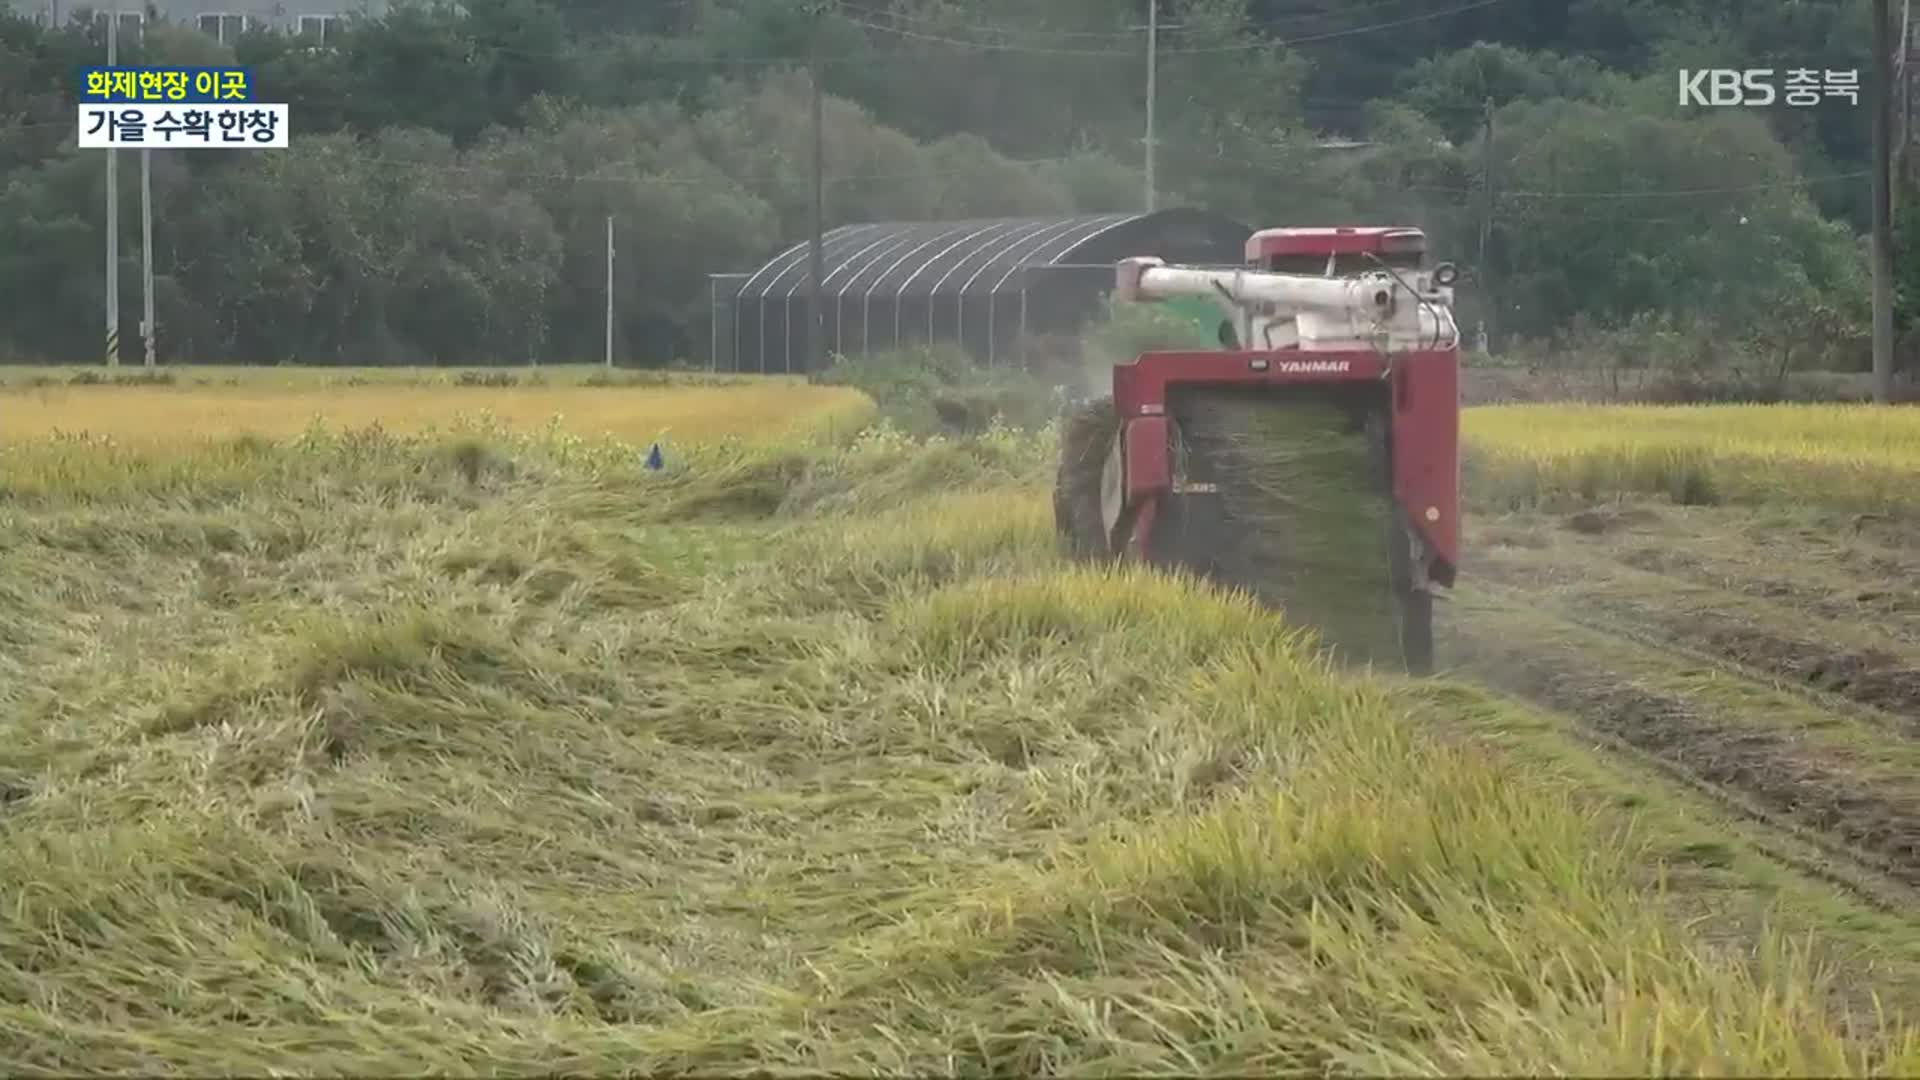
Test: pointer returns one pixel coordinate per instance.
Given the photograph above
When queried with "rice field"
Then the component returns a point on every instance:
(302, 376)
(1846, 456)
(1712, 608)
(276, 403)
(480, 747)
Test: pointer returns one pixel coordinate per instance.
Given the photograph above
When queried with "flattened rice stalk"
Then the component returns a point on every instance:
(1086, 436)
(1306, 513)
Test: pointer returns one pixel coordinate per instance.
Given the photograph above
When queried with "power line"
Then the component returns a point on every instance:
(939, 24)
(1805, 181)
(1242, 46)
(596, 46)
(798, 60)
(1358, 104)
(602, 46)
(588, 176)
(1683, 192)
(656, 179)
(975, 28)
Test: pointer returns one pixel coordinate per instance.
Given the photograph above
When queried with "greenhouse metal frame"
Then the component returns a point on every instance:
(975, 283)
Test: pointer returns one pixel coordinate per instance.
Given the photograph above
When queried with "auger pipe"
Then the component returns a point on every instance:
(1151, 279)
(1398, 312)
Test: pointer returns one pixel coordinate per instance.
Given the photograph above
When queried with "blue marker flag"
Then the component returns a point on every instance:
(655, 460)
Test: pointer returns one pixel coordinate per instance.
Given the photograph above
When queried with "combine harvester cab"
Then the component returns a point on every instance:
(1315, 464)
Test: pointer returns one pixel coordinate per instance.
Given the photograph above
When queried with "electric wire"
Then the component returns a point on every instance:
(1245, 46)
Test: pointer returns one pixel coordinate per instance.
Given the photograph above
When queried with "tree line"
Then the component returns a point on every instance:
(451, 171)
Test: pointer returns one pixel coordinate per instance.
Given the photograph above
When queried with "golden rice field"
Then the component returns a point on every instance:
(312, 376)
(488, 749)
(275, 404)
(1848, 456)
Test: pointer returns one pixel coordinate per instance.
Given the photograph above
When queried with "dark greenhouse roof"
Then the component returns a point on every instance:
(941, 258)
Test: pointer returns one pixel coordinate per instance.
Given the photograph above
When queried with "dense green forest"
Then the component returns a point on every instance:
(450, 173)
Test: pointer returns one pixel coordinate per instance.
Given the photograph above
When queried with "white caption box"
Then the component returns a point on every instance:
(228, 125)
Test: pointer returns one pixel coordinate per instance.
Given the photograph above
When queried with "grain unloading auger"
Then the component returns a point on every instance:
(1313, 459)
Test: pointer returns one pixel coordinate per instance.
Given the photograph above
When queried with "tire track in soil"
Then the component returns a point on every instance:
(1822, 796)
(1757, 773)
(1897, 610)
(1876, 679)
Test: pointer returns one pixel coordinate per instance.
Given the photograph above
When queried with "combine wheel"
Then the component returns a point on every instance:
(1086, 437)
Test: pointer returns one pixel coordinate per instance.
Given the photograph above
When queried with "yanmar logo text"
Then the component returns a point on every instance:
(1314, 367)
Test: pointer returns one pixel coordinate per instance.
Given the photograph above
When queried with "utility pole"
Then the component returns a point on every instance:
(147, 331)
(113, 210)
(1882, 205)
(816, 255)
(1486, 221)
(609, 291)
(1153, 92)
(1903, 112)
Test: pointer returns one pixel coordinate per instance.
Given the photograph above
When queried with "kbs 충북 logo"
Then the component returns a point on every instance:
(1754, 87)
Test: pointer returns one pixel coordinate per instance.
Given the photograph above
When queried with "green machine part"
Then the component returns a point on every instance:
(1203, 312)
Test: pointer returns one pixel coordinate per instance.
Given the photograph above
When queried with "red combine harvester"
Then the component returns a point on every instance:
(1345, 341)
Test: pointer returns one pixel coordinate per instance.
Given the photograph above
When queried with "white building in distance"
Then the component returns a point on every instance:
(222, 19)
